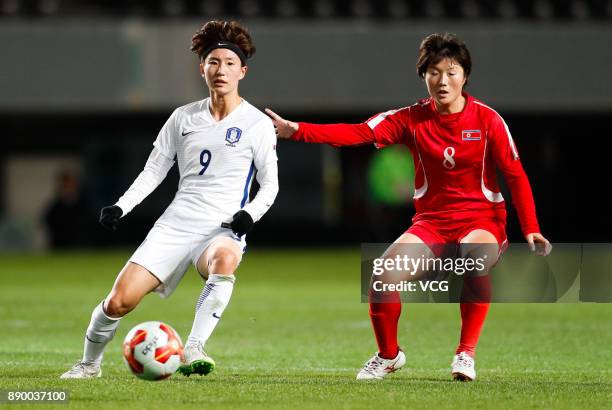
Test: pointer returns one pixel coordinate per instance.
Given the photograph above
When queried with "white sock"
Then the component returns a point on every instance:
(210, 306)
(100, 331)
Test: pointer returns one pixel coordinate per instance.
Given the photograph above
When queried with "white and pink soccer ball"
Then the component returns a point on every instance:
(152, 350)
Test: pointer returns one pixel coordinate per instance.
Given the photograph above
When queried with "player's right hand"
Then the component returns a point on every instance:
(109, 217)
(284, 128)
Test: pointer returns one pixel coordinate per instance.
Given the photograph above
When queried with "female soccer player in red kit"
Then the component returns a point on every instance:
(457, 143)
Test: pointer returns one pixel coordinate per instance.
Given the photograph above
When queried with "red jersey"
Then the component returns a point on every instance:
(455, 157)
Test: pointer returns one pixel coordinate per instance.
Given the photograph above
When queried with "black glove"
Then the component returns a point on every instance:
(241, 223)
(109, 217)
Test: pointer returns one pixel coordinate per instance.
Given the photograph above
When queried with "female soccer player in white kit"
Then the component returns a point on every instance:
(220, 143)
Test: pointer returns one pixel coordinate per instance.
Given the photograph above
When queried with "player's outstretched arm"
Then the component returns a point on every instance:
(337, 135)
(284, 128)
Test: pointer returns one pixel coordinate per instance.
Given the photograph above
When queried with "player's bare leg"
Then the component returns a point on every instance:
(385, 310)
(132, 284)
(217, 265)
(475, 297)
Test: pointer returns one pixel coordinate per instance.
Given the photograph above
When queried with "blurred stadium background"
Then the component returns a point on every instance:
(86, 85)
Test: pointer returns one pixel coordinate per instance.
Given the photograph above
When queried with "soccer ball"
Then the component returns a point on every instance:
(152, 350)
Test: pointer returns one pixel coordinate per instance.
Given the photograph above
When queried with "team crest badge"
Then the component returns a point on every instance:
(470, 135)
(232, 136)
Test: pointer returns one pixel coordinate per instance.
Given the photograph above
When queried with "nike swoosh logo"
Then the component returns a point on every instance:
(216, 316)
(184, 134)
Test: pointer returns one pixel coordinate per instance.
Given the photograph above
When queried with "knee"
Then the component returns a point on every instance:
(223, 261)
(118, 305)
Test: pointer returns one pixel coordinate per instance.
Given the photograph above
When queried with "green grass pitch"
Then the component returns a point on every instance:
(294, 336)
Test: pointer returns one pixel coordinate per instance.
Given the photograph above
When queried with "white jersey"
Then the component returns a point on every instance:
(217, 160)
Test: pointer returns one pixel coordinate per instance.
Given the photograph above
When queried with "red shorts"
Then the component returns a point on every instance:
(453, 231)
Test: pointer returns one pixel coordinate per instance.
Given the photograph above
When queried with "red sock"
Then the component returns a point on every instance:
(475, 298)
(384, 318)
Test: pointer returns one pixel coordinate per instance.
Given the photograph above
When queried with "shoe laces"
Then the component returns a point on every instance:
(463, 359)
(374, 364)
(79, 367)
(197, 346)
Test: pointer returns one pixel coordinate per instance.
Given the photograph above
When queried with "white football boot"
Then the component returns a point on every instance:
(196, 361)
(377, 368)
(463, 367)
(83, 370)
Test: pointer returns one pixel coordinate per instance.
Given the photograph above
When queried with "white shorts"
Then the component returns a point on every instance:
(166, 253)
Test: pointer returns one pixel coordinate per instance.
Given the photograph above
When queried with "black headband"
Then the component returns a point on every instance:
(230, 46)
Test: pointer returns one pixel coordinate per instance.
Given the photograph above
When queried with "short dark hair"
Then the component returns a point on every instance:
(437, 46)
(220, 30)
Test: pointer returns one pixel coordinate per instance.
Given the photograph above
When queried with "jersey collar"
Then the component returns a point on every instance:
(452, 119)
(209, 118)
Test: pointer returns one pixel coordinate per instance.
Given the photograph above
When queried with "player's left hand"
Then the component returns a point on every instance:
(241, 223)
(538, 243)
